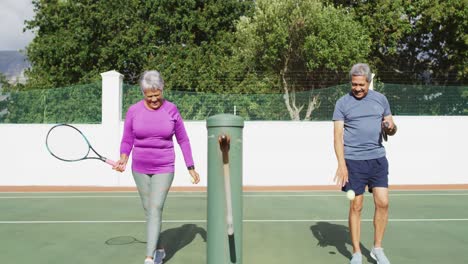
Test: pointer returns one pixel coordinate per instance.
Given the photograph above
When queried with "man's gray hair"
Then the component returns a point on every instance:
(361, 69)
(151, 80)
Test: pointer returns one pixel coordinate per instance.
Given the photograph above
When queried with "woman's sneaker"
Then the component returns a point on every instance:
(159, 255)
(356, 258)
(379, 255)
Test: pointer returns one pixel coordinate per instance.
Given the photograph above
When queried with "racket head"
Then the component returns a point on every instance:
(67, 143)
(122, 240)
(224, 144)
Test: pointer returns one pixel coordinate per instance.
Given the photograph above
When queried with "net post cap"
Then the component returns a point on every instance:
(224, 120)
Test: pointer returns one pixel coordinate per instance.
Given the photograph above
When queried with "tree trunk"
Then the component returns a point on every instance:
(314, 103)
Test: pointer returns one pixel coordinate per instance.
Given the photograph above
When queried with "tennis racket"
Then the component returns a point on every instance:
(123, 240)
(58, 141)
(224, 144)
(384, 130)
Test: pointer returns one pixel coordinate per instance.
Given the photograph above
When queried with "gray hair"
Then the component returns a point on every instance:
(151, 80)
(361, 69)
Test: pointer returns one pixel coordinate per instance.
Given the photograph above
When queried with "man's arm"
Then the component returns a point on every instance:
(341, 176)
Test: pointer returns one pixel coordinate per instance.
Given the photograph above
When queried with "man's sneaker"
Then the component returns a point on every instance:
(356, 259)
(379, 255)
(159, 255)
(149, 261)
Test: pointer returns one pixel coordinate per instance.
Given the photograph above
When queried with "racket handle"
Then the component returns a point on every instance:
(232, 248)
(111, 162)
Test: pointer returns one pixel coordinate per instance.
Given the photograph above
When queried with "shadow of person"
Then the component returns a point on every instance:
(174, 239)
(336, 236)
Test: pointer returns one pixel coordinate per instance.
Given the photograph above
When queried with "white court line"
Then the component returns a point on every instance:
(89, 196)
(68, 196)
(204, 195)
(343, 194)
(245, 221)
(261, 192)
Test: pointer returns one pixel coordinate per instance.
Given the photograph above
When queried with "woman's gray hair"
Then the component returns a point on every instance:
(361, 69)
(151, 80)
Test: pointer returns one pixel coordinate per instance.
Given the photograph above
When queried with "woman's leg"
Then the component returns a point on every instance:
(153, 191)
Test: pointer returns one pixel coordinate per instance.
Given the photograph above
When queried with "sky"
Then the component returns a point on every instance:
(13, 13)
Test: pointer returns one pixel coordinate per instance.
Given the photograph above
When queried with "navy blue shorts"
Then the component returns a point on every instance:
(362, 173)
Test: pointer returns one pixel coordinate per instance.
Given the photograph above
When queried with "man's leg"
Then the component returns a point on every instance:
(380, 215)
(354, 221)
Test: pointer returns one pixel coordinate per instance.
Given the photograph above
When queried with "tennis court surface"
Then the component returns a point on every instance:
(279, 227)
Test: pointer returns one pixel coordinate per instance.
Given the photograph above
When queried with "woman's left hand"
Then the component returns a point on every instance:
(195, 176)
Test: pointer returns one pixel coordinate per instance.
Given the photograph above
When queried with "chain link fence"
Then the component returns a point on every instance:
(82, 103)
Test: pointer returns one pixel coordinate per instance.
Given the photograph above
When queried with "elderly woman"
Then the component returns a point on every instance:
(150, 125)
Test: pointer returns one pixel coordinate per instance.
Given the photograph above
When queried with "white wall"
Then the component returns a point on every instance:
(426, 150)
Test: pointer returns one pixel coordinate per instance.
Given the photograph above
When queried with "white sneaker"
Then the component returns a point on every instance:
(356, 259)
(379, 256)
(159, 255)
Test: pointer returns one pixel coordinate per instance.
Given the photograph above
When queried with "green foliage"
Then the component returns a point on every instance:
(77, 40)
(300, 36)
(423, 41)
(303, 44)
(268, 59)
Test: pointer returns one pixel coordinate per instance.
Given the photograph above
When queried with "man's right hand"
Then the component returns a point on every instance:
(341, 176)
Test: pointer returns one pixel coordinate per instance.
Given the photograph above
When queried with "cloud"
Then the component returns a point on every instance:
(13, 13)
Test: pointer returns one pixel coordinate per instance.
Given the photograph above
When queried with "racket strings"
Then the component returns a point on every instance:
(67, 143)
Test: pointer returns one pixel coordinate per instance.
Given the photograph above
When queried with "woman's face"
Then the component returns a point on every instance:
(153, 98)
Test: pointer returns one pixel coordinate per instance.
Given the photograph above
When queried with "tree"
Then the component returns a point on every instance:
(298, 43)
(422, 41)
(77, 40)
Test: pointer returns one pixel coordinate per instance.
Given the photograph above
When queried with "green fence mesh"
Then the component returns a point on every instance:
(82, 103)
(426, 100)
(73, 104)
(404, 100)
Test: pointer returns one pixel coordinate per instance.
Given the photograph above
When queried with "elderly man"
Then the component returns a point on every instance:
(359, 118)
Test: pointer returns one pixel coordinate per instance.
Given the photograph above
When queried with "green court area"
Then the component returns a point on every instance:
(279, 227)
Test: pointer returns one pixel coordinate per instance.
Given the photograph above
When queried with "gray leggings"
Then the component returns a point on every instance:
(153, 189)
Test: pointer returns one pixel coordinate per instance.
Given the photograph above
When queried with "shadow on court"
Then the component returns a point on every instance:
(172, 240)
(336, 236)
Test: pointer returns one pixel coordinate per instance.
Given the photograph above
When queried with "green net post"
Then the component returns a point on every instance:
(220, 244)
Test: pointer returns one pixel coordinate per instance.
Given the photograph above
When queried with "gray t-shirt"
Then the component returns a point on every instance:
(362, 124)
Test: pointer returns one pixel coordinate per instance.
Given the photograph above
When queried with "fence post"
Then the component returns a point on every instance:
(112, 82)
(221, 248)
(371, 85)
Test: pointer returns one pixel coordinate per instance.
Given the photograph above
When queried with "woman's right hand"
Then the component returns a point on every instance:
(121, 163)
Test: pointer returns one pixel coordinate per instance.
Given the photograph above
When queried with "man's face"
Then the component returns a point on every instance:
(359, 86)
